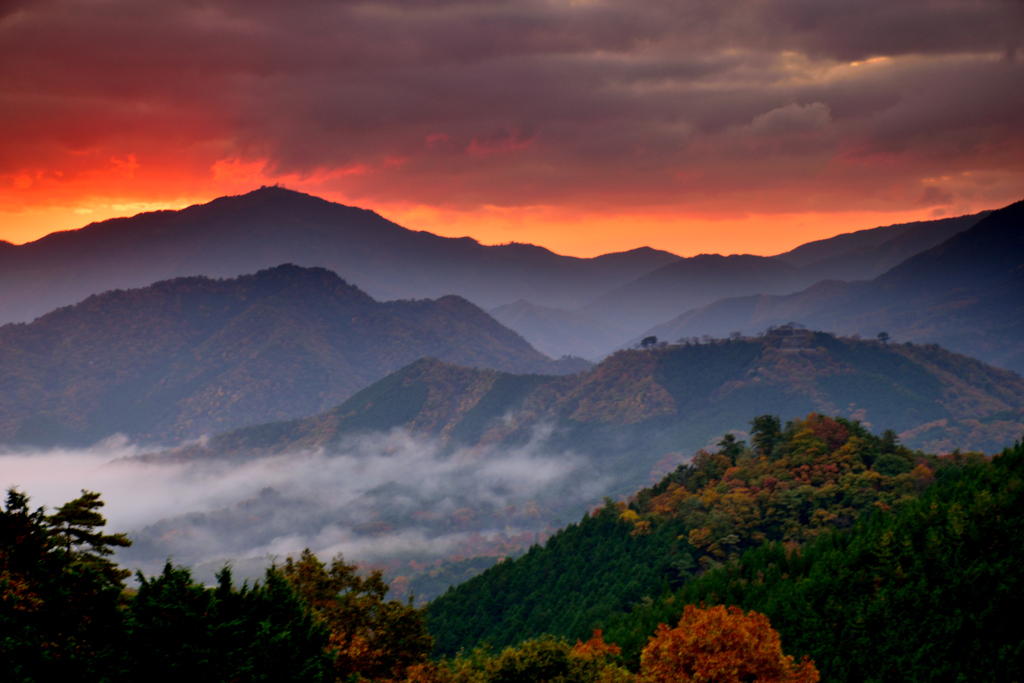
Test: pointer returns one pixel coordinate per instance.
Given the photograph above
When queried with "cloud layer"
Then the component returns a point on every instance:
(700, 109)
(376, 498)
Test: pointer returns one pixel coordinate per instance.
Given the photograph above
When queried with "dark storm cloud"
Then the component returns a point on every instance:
(592, 99)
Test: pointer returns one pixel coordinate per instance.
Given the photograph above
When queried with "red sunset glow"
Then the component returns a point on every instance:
(585, 126)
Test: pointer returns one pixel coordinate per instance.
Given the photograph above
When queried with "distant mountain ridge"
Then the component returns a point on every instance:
(697, 281)
(689, 283)
(195, 356)
(232, 236)
(892, 243)
(964, 294)
(556, 332)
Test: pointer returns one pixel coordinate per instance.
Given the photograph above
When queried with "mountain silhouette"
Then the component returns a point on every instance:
(233, 236)
(964, 294)
(693, 282)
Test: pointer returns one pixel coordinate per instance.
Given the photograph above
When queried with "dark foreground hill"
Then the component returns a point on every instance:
(640, 407)
(231, 236)
(964, 294)
(880, 563)
(195, 356)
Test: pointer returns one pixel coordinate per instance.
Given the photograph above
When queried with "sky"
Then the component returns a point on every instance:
(586, 126)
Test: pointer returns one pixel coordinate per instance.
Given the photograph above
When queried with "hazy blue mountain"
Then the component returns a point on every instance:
(964, 294)
(558, 332)
(194, 356)
(690, 283)
(867, 248)
(232, 236)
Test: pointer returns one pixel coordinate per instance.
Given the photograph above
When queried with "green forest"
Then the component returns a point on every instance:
(816, 550)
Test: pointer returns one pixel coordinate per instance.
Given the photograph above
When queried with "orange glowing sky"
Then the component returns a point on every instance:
(585, 126)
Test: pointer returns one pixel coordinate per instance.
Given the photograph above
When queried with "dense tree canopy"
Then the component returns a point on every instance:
(59, 594)
(369, 635)
(799, 481)
(65, 613)
(931, 591)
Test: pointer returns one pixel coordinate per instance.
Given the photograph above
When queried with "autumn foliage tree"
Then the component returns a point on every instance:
(371, 637)
(720, 645)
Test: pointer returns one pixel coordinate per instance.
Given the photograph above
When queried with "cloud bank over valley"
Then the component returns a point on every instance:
(376, 498)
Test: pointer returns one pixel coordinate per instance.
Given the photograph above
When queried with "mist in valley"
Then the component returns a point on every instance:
(377, 499)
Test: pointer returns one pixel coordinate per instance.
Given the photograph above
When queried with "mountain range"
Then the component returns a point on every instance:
(562, 305)
(381, 397)
(964, 294)
(694, 282)
(639, 407)
(196, 356)
(239, 235)
(193, 356)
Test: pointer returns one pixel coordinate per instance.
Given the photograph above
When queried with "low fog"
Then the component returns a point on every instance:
(376, 499)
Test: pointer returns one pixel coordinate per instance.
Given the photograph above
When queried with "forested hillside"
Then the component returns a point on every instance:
(195, 356)
(640, 407)
(926, 590)
(790, 486)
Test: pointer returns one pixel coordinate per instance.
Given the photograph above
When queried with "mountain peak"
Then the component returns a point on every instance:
(195, 355)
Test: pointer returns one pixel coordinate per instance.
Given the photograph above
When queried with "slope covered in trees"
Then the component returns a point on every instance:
(796, 483)
(863, 569)
(196, 356)
(641, 407)
(929, 590)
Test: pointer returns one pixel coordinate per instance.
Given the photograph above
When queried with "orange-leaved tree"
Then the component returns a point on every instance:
(719, 645)
(371, 637)
(595, 648)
